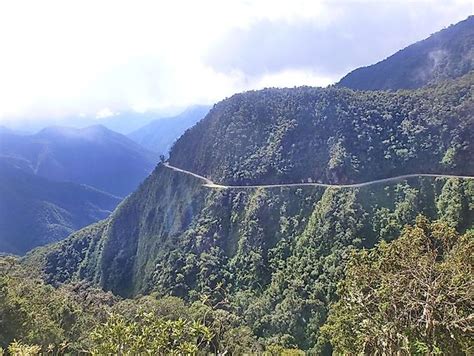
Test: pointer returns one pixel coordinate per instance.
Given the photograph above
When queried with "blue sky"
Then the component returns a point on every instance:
(63, 58)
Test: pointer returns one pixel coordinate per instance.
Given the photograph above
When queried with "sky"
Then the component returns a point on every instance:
(64, 58)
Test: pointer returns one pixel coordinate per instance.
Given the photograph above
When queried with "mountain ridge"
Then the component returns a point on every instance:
(160, 134)
(67, 154)
(338, 132)
(448, 53)
(35, 211)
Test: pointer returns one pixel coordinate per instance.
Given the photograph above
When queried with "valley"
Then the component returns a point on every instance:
(334, 220)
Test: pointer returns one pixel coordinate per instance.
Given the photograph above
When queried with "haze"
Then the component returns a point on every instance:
(73, 58)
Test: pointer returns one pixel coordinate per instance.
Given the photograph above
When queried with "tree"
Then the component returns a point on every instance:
(414, 294)
(149, 335)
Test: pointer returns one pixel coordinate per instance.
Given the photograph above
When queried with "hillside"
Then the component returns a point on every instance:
(94, 156)
(273, 257)
(35, 211)
(448, 53)
(159, 135)
(332, 135)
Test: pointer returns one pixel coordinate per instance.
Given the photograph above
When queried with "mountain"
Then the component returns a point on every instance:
(35, 211)
(273, 256)
(332, 135)
(95, 156)
(128, 121)
(122, 122)
(448, 53)
(159, 135)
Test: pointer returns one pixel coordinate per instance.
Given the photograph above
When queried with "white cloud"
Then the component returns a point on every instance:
(65, 57)
(293, 77)
(104, 113)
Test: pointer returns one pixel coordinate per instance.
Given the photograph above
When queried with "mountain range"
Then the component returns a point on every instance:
(95, 156)
(160, 134)
(35, 211)
(62, 179)
(270, 259)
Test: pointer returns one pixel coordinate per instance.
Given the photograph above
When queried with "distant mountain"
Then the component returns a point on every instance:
(128, 121)
(122, 122)
(35, 211)
(159, 135)
(446, 54)
(94, 156)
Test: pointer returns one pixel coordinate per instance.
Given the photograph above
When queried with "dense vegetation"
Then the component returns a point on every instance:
(414, 295)
(160, 134)
(78, 318)
(35, 211)
(332, 135)
(448, 53)
(94, 156)
(271, 257)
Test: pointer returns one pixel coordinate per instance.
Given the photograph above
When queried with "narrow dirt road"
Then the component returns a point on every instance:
(210, 184)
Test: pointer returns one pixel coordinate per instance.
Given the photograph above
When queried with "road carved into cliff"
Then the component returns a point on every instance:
(210, 184)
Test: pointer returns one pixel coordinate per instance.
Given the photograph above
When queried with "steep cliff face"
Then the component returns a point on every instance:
(274, 255)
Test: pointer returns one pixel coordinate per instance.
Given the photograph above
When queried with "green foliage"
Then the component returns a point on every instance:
(77, 318)
(412, 295)
(54, 320)
(332, 135)
(269, 260)
(18, 349)
(149, 335)
(456, 197)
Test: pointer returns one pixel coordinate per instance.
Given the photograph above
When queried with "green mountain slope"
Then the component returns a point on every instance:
(159, 135)
(332, 135)
(274, 256)
(448, 53)
(35, 211)
(93, 156)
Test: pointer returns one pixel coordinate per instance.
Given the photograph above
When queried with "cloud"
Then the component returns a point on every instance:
(359, 33)
(61, 58)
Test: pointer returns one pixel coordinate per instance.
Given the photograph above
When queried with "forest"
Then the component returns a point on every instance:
(180, 268)
(373, 309)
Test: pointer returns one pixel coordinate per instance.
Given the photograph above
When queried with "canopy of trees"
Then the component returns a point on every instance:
(415, 295)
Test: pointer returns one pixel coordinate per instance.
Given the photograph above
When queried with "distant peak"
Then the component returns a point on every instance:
(96, 128)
